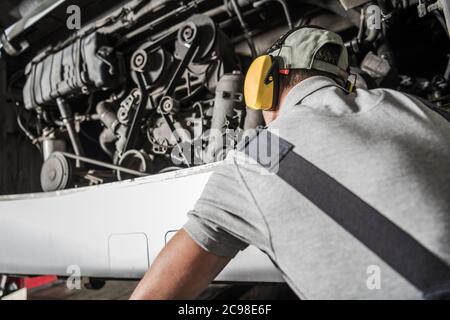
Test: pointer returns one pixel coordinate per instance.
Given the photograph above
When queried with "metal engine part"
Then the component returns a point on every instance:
(56, 173)
(135, 160)
(88, 64)
(177, 118)
(228, 106)
(155, 86)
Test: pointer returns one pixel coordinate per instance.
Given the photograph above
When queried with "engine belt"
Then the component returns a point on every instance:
(423, 269)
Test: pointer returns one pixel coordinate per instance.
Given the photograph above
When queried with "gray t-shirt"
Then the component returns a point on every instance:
(387, 148)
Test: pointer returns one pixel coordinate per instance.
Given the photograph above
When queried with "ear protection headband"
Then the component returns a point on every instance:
(262, 82)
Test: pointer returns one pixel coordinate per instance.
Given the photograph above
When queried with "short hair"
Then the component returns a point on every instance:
(329, 53)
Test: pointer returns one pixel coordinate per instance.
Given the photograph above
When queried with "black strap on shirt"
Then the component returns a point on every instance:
(396, 247)
(443, 112)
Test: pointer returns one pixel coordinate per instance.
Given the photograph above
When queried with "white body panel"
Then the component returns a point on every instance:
(109, 231)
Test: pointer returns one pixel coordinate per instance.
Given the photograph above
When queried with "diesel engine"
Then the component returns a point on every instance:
(156, 86)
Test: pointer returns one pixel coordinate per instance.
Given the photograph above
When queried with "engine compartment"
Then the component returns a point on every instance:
(156, 86)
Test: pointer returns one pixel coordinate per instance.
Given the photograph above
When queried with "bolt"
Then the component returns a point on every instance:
(139, 60)
(167, 106)
(188, 34)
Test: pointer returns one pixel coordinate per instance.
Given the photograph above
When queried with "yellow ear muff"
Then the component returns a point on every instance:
(260, 93)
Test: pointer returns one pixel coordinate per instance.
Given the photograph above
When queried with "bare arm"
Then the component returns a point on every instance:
(183, 270)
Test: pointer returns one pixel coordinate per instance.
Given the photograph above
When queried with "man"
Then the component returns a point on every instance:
(389, 149)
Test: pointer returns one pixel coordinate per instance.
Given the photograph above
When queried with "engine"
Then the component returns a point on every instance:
(176, 94)
(156, 86)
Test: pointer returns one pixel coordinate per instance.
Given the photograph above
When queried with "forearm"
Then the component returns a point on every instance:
(182, 270)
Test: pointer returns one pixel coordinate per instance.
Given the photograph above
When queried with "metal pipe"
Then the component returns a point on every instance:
(67, 117)
(359, 43)
(229, 97)
(285, 9)
(103, 164)
(374, 32)
(362, 21)
(372, 36)
(244, 26)
(447, 71)
(22, 127)
(441, 21)
(287, 13)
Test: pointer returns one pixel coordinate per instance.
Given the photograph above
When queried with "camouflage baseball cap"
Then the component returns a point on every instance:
(298, 49)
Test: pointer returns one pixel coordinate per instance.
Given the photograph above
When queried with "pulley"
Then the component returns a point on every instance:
(56, 173)
(134, 160)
